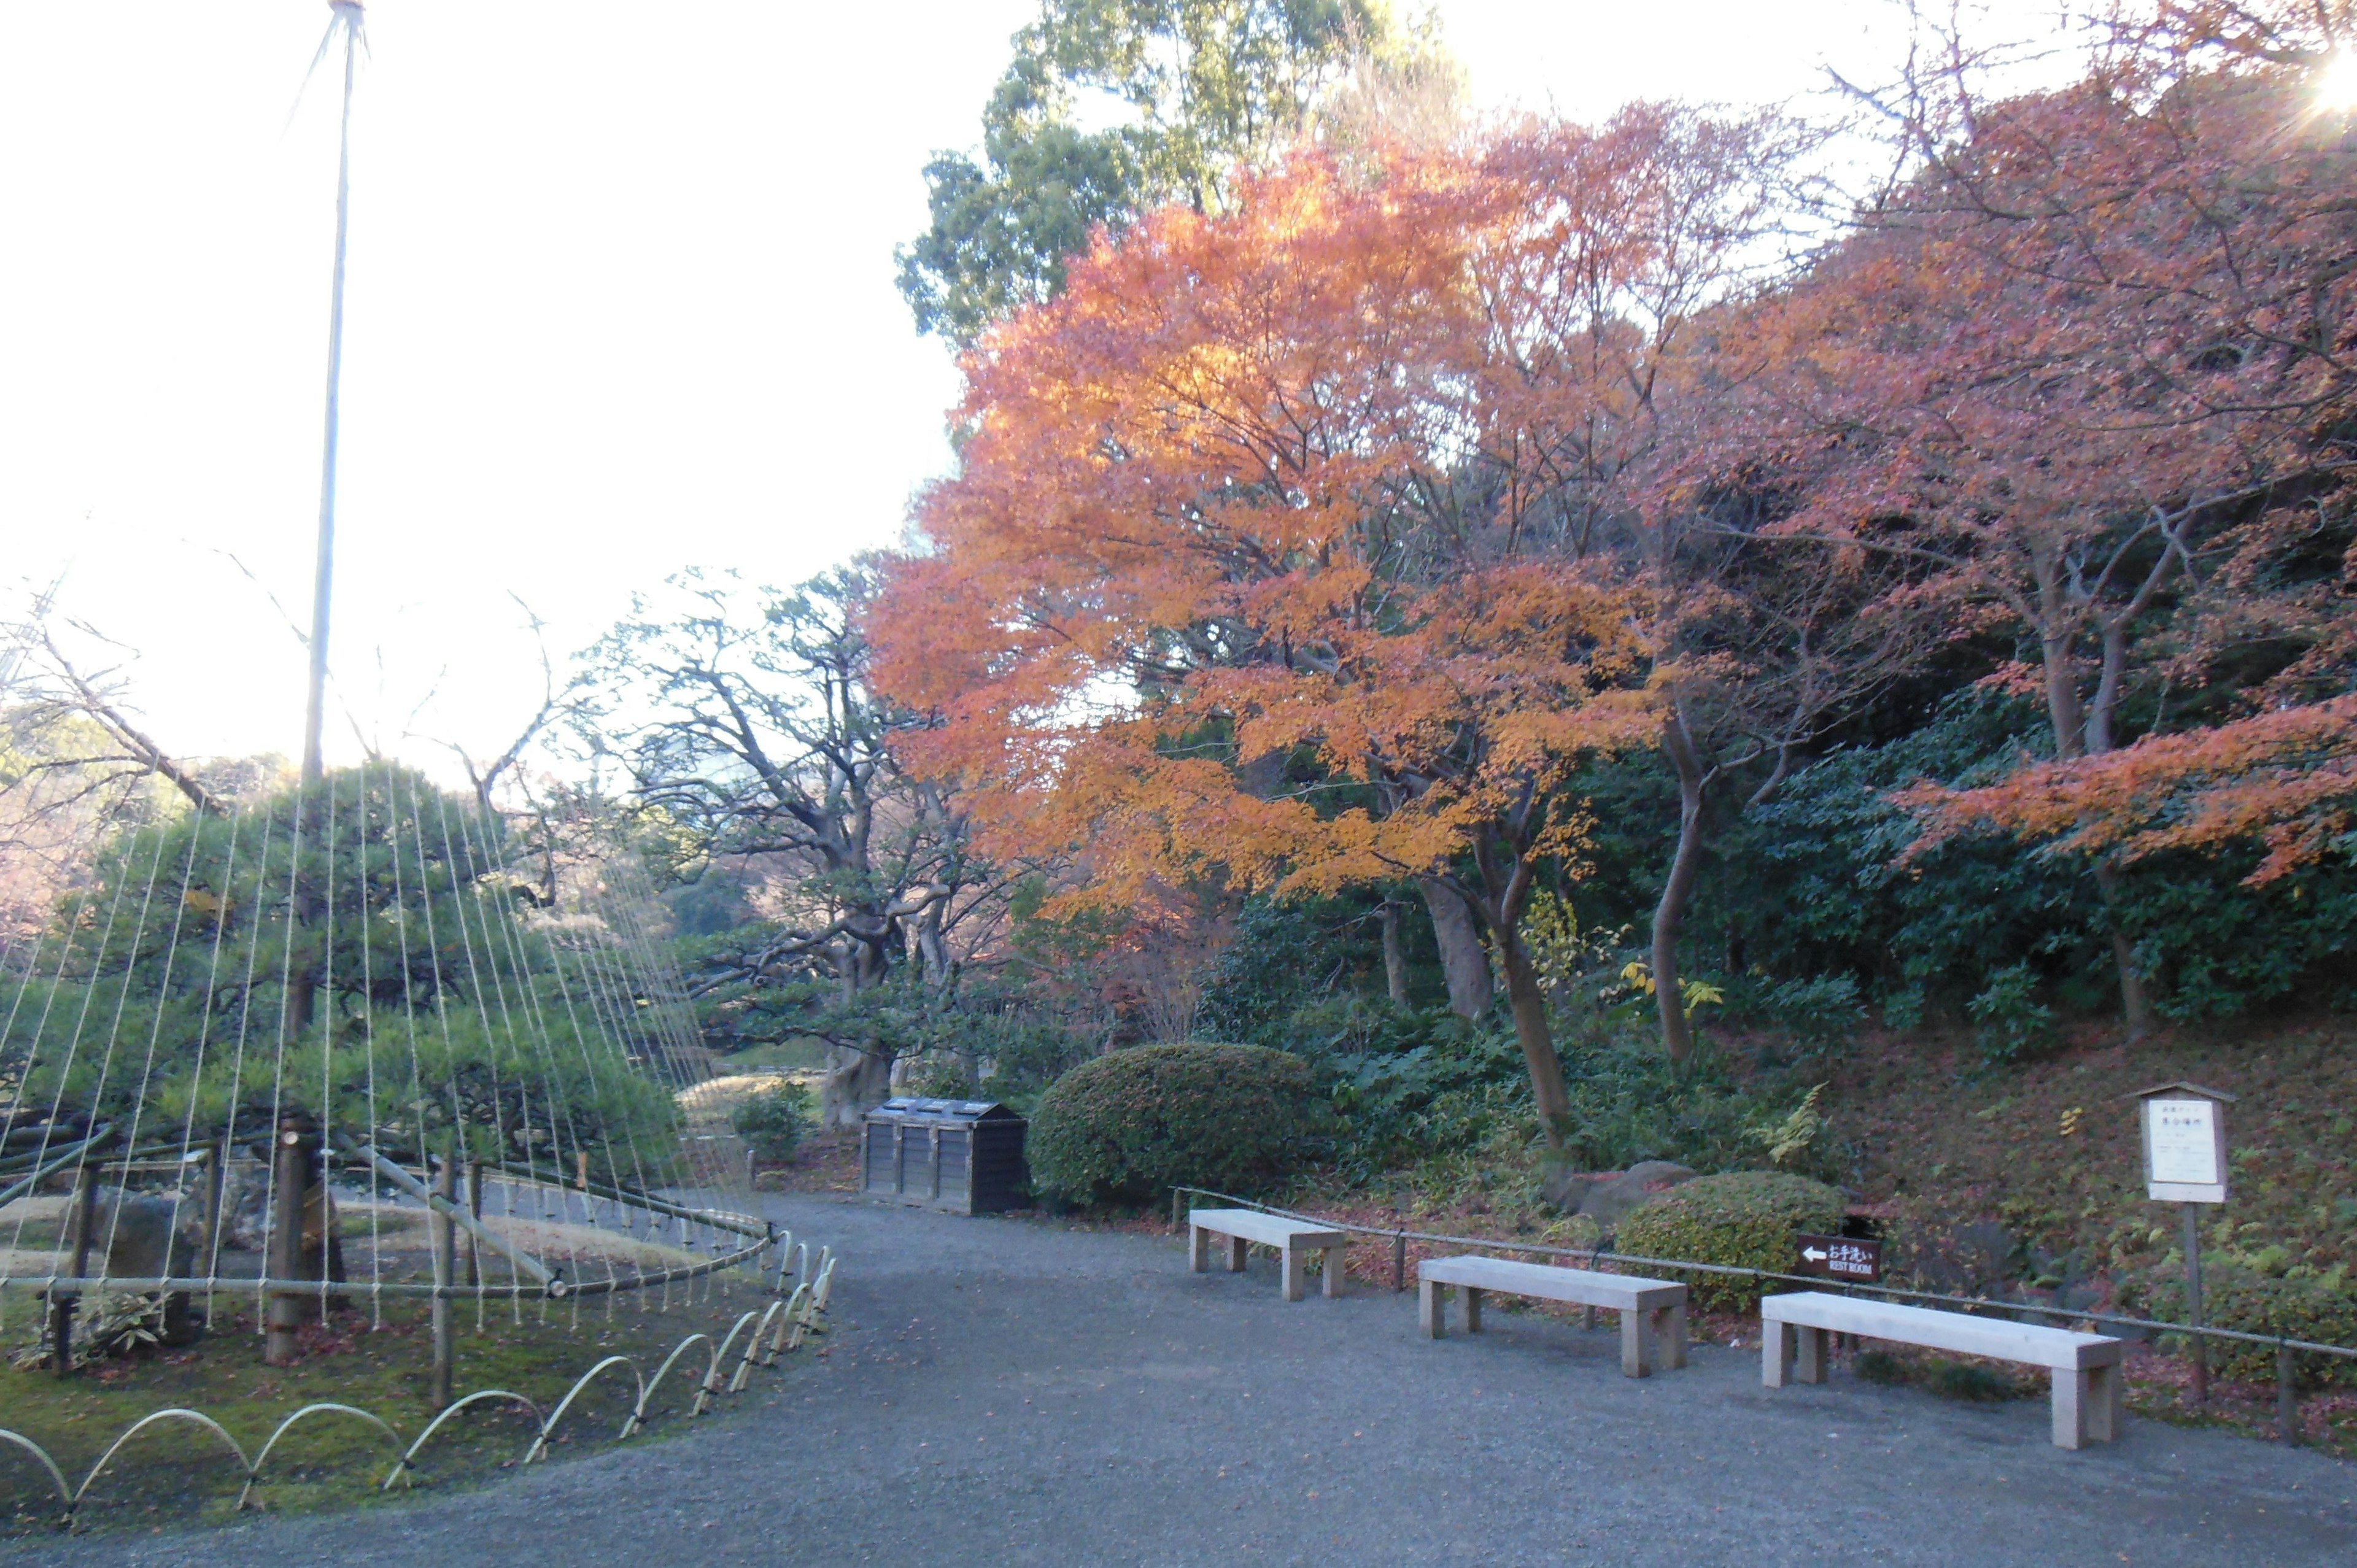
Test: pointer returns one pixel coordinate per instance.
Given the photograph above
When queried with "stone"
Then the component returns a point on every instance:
(1565, 1188)
(140, 1235)
(1611, 1202)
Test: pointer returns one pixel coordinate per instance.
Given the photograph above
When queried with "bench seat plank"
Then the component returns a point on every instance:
(1653, 1312)
(2089, 1383)
(1998, 1338)
(1294, 1241)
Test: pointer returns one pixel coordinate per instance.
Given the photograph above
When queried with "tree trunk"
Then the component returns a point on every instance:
(1677, 890)
(2135, 1005)
(857, 1082)
(2081, 732)
(1387, 917)
(1462, 957)
(1528, 1000)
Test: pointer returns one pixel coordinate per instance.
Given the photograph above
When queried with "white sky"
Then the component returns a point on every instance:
(621, 301)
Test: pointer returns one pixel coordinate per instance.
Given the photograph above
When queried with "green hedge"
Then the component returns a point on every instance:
(1745, 1219)
(2319, 1308)
(1129, 1125)
(774, 1120)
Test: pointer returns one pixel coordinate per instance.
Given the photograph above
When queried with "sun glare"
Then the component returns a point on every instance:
(2336, 84)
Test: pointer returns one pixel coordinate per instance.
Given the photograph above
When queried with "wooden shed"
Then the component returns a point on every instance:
(964, 1155)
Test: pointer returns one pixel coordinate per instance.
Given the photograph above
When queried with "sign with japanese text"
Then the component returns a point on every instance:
(2184, 1150)
(1841, 1258)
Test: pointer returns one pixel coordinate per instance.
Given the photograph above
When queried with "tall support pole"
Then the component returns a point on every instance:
(475, 1207)
(62, 1304)
(441, 1232)
(291, 1195)
(347, 16)
(2193, 1302)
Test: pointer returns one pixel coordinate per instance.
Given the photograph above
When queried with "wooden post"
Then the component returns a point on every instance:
(282, 1261)
(2286, 1396)
(2193, 1302)
(216, 1194)
(1399, 1261)
(441, 1230)
(474, 1208)
(64, 1305)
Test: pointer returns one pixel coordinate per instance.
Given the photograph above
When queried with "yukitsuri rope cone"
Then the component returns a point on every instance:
(327, 1046)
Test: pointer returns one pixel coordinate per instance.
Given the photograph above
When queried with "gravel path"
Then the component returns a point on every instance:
(1007, 1391)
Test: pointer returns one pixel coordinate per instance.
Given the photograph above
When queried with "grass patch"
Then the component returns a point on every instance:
(174, 1473)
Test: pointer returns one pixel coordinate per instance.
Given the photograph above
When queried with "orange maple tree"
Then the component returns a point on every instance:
(1209, 595)
(2287, 780)
(2093, 369)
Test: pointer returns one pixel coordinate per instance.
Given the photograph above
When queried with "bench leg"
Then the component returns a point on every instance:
(1292, 1261)
(1236, 1254)
(1636, 1344)
(1472, 1310)
(2071, 1400)
(1198, 1254)
(2108, 1406)
(1775, 1353)
(1330, 1282)
(1670, 1333)
(1809, 1364)
(1432, 1308)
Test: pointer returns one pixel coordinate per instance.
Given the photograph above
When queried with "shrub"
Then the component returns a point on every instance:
(2014, 1024)
(1745, 1219)
(2317, 1307)
(1966, 1381)
(1819, 1015)
(773, 1121)
(1129, 1125)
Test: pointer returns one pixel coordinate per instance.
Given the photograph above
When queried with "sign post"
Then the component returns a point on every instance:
(2184, 1128)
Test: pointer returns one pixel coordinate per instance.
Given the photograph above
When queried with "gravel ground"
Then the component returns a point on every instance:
(1007, 1391)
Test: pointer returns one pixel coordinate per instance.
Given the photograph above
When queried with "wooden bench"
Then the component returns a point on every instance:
(2086, 1366)
(1291, 1238)
(1653, 1312)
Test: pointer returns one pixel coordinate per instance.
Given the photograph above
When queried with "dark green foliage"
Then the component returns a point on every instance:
(1290, 957)
(1818, 1013)
(1744, 1220)
(1409, 1086)
(774, 1120)
(1971, 1382)
(2013, 1023)
(2320, 1308)
(1882, 1367)
(1968, 1381)
(1811, 885)
(167, 992)
(1209, 85)
(1127, 1126)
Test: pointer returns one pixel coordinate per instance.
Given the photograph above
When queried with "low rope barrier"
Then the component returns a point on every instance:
(2285, 1348)
(779, 1330)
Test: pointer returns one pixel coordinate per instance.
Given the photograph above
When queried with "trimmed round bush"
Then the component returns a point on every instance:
(1745, 1220)
(1129, 1125)
(773, 1121)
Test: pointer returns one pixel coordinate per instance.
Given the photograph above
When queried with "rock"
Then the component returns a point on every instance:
(1565, 1188)
(147, 1237)
(1609, 1202)
(140, 1238)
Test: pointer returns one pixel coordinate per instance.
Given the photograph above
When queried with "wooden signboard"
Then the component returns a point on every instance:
(2185, 1144)
(1841, 1258)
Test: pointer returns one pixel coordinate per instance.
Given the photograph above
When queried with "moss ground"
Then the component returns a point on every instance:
(174, 1473)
